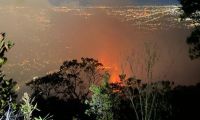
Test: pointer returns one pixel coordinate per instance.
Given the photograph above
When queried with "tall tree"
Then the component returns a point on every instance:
(191, 9)
(67, 88)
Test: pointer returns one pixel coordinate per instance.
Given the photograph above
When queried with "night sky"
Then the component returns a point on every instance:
(113, 2)
(91, 2)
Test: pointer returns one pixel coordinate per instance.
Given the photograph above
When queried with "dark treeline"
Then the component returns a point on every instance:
(81, 90)
(63, 94)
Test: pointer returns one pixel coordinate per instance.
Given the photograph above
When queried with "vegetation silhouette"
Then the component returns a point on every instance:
(191, 9)
(133, 96)
(7, 86)
(63, 93)
(186, 102)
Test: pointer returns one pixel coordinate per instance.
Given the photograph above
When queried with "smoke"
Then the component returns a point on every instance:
(45, 37)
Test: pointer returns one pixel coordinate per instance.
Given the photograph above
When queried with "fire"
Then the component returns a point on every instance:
(114, 77)
(112, 67)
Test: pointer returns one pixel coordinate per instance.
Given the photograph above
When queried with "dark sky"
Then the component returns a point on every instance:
(84, 3)
(113, 2)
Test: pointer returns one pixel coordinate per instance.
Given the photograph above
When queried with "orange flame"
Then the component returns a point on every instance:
(112, 67)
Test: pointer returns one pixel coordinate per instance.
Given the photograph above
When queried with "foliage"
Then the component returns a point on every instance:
(7, 86)
(194, 42)
(7, 94)
(27, 107)
(191, 9)
(67, 88)
(8, 107)
(25, 111)
(146, 99)
(104, 102)
(10, 114)
(5, 45)
(149, 101)
(72, 81)
(45, 118)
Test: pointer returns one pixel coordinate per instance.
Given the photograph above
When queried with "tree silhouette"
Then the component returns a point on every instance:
(191, 9)
(194, 42)
(72, 81)
(68, 87)
(149, 101)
